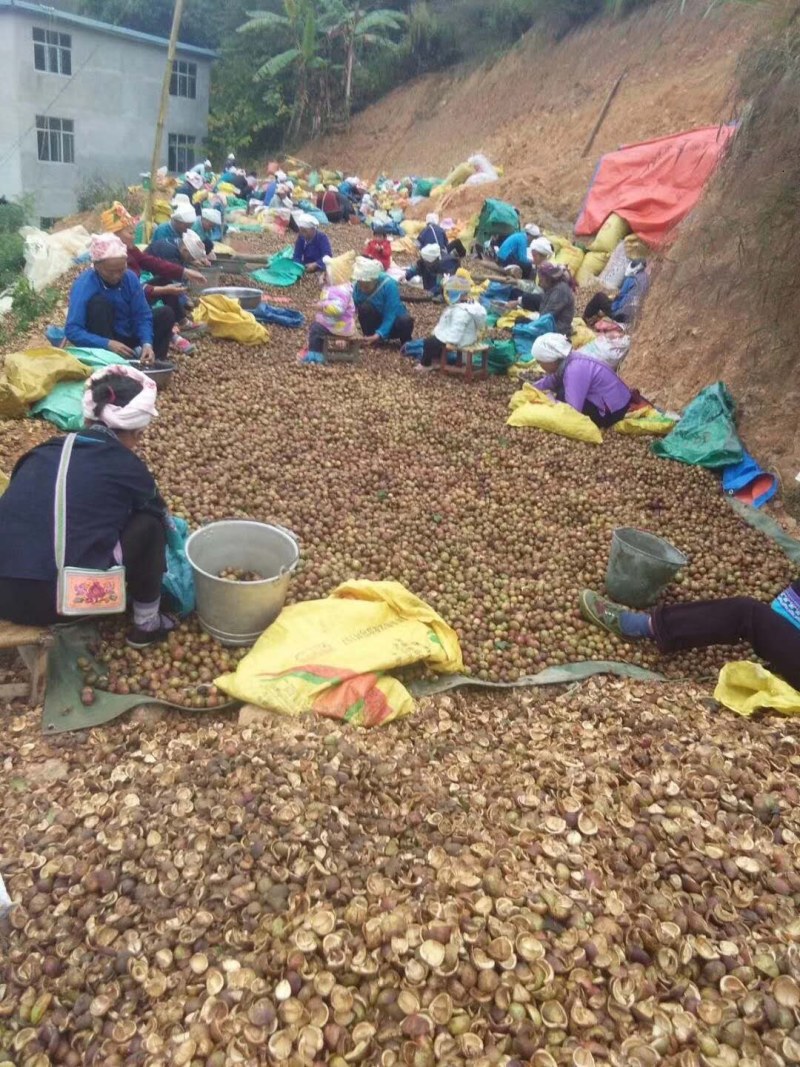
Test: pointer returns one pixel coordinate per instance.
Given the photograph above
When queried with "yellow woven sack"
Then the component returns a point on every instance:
(645, 421)
(570, 256)
(413, 227)
(747, 687)
(340, 268)
(227, 319)
(228, 189)
(557, 242)
(635, 248)
(542, 412)
(162, 211)
(331, 656)
(30, 375)
(594, 263)
(458, 175)
(581, 334)
(610, 234)
(4, 480)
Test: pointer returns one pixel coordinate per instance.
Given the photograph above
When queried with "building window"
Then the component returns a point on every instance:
(181, 152)
(184, 79)
(52, 51)
(56, 139)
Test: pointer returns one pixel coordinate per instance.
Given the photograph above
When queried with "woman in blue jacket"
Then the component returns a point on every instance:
(108, 307)
(382, 315)
(311, 247)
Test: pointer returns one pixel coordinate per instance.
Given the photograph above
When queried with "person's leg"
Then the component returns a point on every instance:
(163, 321)
(457, 248)
(604, 419)
(600, 304)
(368, 319)
(100, 316)
(144, 544)
(403, 329)
(432, 349)
(27, 602)
(334, 216)
(317, 337)
(677, 627)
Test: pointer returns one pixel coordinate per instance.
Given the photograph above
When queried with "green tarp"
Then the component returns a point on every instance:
(281, 270)
(706, 435)
(497, 219)
(63, 405)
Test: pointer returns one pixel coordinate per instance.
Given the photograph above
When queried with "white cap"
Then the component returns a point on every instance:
(184, 213)
(432, 219)
(210, 214)
(541, 245)
(551, 348)
(307, 222)
(366, 270)
(533, 230)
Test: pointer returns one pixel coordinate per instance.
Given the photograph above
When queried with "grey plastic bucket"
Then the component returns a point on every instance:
(640, 566)
(237, 613)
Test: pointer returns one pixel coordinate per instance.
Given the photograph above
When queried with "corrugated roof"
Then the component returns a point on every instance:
(52, 14)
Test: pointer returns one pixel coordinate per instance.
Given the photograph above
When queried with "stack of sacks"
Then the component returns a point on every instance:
(608, 237)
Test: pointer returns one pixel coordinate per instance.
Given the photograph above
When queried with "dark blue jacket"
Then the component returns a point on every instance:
(307, 252)
(132, 315)
(433, 235)
(106, 484)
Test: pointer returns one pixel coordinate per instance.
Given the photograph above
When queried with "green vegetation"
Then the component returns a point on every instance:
(289, 69)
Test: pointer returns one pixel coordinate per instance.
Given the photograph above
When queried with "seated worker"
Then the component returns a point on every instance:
(282, 198)
(114, 513)
(458, 326)
(108, 308)
(512, 254)
(336, 207)
(205, 170)
(435, 234)
(584, 383)
(772, 630)
(311, 247)
(335, 317)
(183, 218)
(208, 228)
(192, 183)
(379, 247)
(431, 267)
(558, 298)
(625, 306)
(382, 315)
(168, 274)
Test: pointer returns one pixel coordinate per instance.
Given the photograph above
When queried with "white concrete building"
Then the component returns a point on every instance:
(80, 100)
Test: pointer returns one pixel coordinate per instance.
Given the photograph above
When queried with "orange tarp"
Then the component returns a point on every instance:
(655, 184)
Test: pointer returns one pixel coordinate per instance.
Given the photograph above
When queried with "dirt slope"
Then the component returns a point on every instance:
(532, 111)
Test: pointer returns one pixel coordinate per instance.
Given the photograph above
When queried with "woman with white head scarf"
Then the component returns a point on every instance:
(586, 384)
(114, 513)
(432, 266)
(108, 307)
(183, 218)
(311, 246)
(382, 315)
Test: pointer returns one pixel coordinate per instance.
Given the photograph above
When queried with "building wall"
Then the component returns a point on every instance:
(112, 98)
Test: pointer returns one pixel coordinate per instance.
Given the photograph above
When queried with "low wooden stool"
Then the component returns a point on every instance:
(343, 350)
(33, 644)
(464, 367)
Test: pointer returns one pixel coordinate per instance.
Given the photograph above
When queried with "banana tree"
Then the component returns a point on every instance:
(355, 26)
(298, 29)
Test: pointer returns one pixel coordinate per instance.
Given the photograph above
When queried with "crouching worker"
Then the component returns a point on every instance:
(382, 315)
(336, 317)
(114, 514)
(432, 266)
(584, 383)
(625, 306)
(108, 307)
(458, 327)
(772, 630)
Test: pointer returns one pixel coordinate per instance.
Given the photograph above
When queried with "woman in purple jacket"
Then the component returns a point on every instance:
(584, 383)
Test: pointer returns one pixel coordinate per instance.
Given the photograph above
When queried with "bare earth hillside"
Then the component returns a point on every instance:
(532, 111)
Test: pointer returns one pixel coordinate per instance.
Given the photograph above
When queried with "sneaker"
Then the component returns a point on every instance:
(421, 367)
(601, 612)
(181, 345)
(196, 329)
(139, 638)
(312, 357)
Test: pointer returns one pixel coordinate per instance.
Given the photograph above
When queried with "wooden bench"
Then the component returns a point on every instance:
(33, 645)
(464, 367)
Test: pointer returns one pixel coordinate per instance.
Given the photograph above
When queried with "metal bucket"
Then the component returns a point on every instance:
(640, 566)
(237, 613)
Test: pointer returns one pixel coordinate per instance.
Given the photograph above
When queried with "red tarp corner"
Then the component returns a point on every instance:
(655, 184)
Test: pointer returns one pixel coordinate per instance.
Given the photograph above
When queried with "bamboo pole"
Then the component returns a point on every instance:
(162, 114)
(603, 113)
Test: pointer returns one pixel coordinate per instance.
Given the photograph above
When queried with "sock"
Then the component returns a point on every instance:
(635, 624)
(146, 615)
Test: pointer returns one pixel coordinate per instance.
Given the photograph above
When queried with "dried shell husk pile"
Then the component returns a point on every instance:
(605, 877)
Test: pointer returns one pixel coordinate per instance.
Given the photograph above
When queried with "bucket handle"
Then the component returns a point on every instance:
(286, 570)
